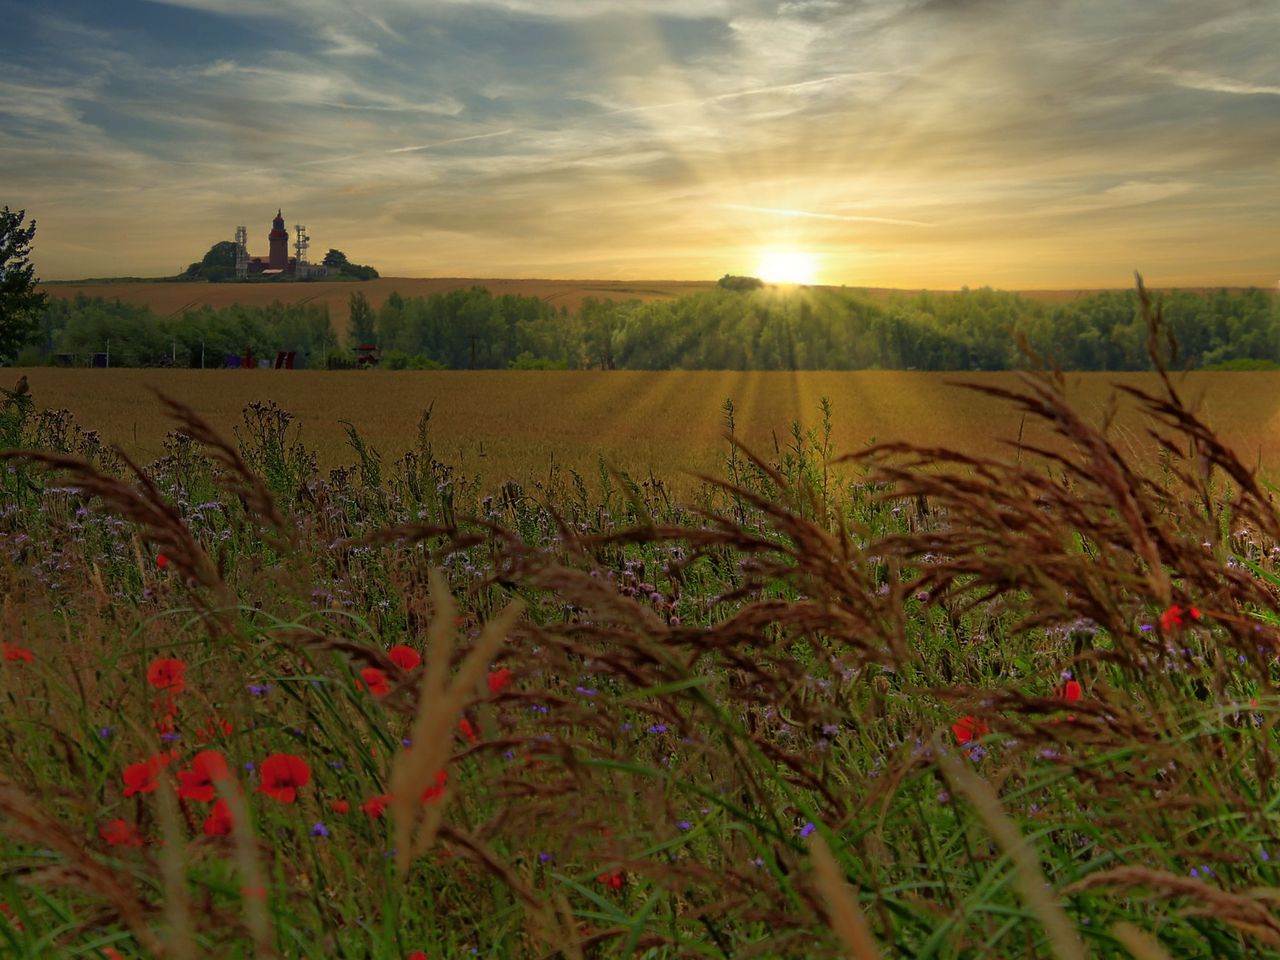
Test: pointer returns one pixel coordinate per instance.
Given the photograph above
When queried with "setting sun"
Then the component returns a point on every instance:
(787, 266)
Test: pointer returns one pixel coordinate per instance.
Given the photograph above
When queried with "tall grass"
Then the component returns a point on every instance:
(899, 703)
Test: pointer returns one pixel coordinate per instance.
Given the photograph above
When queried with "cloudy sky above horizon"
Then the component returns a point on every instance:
(908, 143)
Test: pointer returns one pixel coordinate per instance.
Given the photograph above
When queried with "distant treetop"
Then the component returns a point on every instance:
(730, 282)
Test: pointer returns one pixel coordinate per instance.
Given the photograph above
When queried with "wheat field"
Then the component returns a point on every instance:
(515, 424)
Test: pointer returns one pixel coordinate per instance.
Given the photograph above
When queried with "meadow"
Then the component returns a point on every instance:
(903, 702)
(500, 425)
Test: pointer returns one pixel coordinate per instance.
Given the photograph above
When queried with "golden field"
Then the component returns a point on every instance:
(511, 424)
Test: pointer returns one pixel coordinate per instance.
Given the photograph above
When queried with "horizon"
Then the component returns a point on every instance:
(901, 144)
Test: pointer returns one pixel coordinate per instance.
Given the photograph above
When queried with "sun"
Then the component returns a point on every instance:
(787, 266)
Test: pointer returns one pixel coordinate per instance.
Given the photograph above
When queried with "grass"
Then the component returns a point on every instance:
(816, 708)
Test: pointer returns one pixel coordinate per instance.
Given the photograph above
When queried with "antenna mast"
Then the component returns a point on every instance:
(300, 251)
(242, 254)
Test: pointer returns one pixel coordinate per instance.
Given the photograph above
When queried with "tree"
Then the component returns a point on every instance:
(21, 305)
(335, 259)
(360, 325)
(218, 264)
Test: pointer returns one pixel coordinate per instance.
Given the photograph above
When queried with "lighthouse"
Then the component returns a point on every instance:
(279, 239)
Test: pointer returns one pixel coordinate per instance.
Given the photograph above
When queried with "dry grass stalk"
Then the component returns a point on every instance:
(177, 901)
(1030, 879)
(440, 700)
(1138, 942)
(24, 819)
(1246, 913)
(253, 892)
(847, 920)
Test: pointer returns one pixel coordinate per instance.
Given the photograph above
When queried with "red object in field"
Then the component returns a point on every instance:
(967, 728)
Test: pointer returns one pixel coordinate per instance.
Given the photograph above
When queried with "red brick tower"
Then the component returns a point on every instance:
(279, 238)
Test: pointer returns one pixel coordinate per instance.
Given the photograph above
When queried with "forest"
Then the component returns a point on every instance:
(753, 329)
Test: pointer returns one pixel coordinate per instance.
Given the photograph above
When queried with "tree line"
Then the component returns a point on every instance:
(745, 329)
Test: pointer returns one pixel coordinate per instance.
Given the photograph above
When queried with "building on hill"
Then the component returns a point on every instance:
(277, 262)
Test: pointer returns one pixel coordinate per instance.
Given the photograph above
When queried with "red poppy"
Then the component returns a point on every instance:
(120, 833)
(611, 880)
(7, 912)
(499, 680)
(1070, 691)
(967, 728)
(167, 673)
(417, 955)
(434, 793)
(339, 806)
(468, 730)
(162, 561)
(376, 804)
(111, 953)
(207, 768)
(1177, 616)
(215, 727)
(376, 681)
(406, 658)
(13, 653)
(282, 775)
(142, 777)
(218, 822)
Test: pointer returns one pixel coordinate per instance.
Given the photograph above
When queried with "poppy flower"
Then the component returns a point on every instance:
(417, 955)
(162, 560)
(13, 653)
(339, 806)
(7, 912)
(167, 673)
(434, 793)
(967, 727)
(376, 681)
(499, 680)
(218, 822)
(1177, 616)
(207, 768)
(141, 777)
(111, 953)
(1070, 691)
(375, 805)
(406, 658)
(468, 730)
(611, 880)
(214, 727)
(282, 775)
(120, 833)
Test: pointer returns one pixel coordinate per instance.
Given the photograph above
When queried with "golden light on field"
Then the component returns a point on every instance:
(787, 266)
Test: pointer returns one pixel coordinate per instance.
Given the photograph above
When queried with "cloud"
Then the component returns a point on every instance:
(809, 214)
(1128, 194)
(1195, 80)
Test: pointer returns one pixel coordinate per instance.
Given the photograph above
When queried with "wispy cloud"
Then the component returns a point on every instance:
(812, 215)
(1195, 80)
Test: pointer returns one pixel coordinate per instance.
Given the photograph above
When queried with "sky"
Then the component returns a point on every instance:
(903, 143)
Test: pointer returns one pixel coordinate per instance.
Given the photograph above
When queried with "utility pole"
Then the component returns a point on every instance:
(201, 354)
(108, 367)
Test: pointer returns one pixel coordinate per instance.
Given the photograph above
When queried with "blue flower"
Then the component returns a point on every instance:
(807, 829)
(319, 830)
(684, 825)
(658, 728)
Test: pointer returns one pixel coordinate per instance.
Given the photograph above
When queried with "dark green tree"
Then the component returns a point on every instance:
(335, 259)
(21, 305)
(360, 325)
(218, 264)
